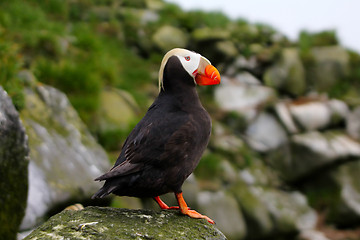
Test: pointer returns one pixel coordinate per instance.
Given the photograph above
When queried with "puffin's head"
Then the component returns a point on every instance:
(197, 66)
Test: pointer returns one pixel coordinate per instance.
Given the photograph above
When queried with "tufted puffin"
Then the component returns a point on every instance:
(166, 145)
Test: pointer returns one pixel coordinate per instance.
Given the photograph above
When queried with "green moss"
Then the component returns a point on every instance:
(323, 38)
(111, 140)
(350, 83)
(114, 223)
(209, 166)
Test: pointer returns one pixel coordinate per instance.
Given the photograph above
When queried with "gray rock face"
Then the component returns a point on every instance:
(348, 208)
(245, 99)
(64, 156)
(224, 210)
(265, 133)
(311, 113)
(269, 211)
(115, 223)
(314, 150)
(338, 191)
(13, 168)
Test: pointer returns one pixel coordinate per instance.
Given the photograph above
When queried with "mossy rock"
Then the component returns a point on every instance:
(61, 147)
(168, 37)
(116, 223)
(13, 168)
(331, 66)
(336, 192)
(288, 74)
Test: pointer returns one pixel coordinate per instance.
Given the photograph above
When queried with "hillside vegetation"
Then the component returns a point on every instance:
(285, 147)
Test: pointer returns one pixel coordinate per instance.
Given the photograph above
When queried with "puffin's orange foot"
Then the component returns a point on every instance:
(195, 214)
(191, 213)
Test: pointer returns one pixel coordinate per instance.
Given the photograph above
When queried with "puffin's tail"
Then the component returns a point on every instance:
(104, 191)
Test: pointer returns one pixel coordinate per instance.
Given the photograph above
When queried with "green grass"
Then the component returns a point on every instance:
(10, 64)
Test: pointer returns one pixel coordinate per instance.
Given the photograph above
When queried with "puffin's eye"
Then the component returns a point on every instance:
(187, 58)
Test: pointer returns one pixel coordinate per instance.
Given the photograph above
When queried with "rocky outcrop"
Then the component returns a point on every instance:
(224, 207)
(168, 37)
(331, 64)
(64, 157)
(114, 223)
(288, 74)
(286, 126)
(243, 97)
(13, 168)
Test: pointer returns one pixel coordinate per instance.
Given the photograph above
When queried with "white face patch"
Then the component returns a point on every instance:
(189, 60)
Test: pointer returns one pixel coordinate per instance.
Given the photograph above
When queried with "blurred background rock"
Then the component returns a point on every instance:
(284, 158)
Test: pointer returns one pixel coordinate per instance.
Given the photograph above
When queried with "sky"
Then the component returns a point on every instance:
(291, 16)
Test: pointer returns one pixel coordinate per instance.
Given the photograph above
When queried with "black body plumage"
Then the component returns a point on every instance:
(166, 145)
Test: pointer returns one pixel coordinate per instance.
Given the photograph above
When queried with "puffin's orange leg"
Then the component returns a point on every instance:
(185, 210)
(162, 205)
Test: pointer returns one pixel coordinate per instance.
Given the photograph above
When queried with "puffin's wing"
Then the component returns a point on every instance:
(178, 145)
(125, 163)
(151, 145)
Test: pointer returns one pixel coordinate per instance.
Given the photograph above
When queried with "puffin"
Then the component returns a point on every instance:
(166, 145)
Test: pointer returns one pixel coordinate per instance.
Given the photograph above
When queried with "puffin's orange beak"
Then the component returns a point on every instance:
(211, 76)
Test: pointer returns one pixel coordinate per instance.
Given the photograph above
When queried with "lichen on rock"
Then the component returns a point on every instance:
(116, 223)
(64, 157)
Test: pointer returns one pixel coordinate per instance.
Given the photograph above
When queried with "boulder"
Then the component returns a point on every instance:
(168, 37)
(265, 133)
(331, 64)
(226, 49)
(64, 157)
(117, 109)
(283, 113)
(241, 63)
(224, 140)
(246, 99)
(115, 223)
(337, 191)
(288, 74)
(224, 210)
(257, 217)
(270, 212)
(311, 113)
(313, 151)
(347, 211)
(353, 123)
(119, 113)
(257, 173)
(14, 153)
(312, 235)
